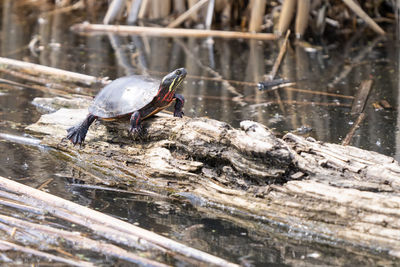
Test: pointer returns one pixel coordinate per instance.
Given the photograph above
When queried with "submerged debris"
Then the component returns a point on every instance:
(274, 84)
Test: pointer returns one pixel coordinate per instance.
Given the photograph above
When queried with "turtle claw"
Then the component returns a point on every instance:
(137, 131)
(76, 135)
(178, 113)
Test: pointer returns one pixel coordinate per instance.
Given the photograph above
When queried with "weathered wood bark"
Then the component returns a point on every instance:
(337, 194)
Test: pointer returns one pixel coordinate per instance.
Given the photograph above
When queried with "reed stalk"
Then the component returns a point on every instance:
(257, 13)
(302, 16)
(364, 16)
(189, 13)
(286, 15)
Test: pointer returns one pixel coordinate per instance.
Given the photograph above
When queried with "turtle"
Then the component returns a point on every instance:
(137, 96)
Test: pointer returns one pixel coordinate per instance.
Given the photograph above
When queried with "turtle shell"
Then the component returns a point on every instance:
(124, 95)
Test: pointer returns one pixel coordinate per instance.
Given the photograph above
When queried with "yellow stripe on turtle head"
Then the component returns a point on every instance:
(179, 82)
(171, 87)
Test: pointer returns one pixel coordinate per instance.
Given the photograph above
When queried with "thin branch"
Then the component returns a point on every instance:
(187, 14)
(77, 5)
(8, 245)
(361, 97)
(35, 79)
(364, 16)
(17, 205)
(36, 68)
(157, 31)
(278, 60)
(353, 129)
(46, 183)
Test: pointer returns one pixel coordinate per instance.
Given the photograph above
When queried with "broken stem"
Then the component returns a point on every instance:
(278, 60)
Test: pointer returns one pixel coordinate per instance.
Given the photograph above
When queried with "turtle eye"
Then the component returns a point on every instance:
(178, 72)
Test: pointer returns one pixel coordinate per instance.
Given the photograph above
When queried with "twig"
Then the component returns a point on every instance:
(187, 14)
(318, 92)
(275, 68)
(56, 204)
(157, 31)
(12, 82)
(104, 188)
(80, 241)
(361, 97)
(35, 79)
(34, 86)
(35, 252)
(20, 139)
(59, 250)
(364, 16)
(16, 205)
(353, 129)
(77, 5)
(300, 103)
(45, 184)
(59, 73)
(278, 60)
(358, 108)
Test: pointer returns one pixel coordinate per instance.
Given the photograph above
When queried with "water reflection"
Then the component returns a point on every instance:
(332, 68)
(231, 94)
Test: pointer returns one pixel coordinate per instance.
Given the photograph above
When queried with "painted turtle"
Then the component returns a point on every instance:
(137, 96)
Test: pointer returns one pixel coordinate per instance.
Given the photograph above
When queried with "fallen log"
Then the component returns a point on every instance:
(101, 224)
(339, 195)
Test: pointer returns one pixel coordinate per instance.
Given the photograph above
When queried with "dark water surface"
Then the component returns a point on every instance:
(328, 76)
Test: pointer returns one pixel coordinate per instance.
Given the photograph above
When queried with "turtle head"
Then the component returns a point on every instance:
(172, 80)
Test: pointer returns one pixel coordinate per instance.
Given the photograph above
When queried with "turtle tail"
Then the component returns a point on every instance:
(77, 133)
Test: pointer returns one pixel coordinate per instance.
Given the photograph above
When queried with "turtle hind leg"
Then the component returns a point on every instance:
(76, 134)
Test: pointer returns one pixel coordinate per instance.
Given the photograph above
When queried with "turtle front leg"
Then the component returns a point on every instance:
(179, 102)
(136, 127)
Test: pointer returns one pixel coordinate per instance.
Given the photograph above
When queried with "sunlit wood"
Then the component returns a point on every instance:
(156, 31)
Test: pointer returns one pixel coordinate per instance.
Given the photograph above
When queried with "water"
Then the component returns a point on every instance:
(322, 105)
